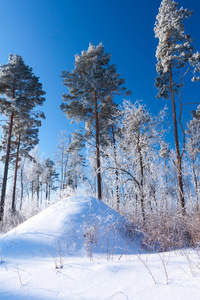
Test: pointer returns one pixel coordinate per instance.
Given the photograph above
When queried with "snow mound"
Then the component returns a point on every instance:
(76, 226)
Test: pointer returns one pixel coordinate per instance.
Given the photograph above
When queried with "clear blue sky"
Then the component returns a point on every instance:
(48, 33)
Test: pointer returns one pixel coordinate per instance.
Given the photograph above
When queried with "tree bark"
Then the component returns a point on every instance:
(5, 177)
(178, 157)
(15, 177)
(196, 185)
(38, 188)
(98, 163)
(142, 185)
(116, 170)
(22, 188)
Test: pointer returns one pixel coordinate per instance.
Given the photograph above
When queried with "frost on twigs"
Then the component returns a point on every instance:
(100, 233)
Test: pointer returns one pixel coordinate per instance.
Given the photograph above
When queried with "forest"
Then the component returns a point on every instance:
(120, 153)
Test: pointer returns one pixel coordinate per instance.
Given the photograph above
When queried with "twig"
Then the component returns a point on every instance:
(167, 278)
(147, 268)
(20, 278)
(117, 294)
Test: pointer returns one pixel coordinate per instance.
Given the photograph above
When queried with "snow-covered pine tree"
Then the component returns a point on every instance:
(23, 92)
(90, 83)
(176, 58)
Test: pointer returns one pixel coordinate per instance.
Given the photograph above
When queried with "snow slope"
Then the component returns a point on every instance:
(76, 250)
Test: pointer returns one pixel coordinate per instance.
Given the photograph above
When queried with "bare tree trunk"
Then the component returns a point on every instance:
(196, 186)
(49, 193)
(142, 186)
(32, 189)
(22, 188)
(41, 194)
(178, 157)
(98, 163)
(116, 170)
(38, 189)
(46, 193)
(5, 177)
(15, 177)
(61, 171)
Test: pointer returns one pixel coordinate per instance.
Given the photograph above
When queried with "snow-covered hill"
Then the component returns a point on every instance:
(79, 226)
(77, 249)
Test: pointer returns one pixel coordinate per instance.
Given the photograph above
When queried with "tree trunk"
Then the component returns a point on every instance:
(98, 163)
(142, 186)
(49, 193)
(3, 192)
(178, 157)
(62, 171)
(15, 177)
(38, 189)
(22, 188)
(116, 170)
(196, 185)
(32, 188)
(46, 192)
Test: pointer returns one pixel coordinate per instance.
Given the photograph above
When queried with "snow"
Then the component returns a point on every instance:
(108, 268)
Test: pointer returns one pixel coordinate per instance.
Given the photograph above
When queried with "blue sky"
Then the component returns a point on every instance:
(48, 33)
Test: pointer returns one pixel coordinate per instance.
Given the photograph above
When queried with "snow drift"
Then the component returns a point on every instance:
(76, 226)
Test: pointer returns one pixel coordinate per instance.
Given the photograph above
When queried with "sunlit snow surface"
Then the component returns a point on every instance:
(86, 241)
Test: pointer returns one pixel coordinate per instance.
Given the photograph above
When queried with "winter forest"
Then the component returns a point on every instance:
(119, 153)
(143, 167)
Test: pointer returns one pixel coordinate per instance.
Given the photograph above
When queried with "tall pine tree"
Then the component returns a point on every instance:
(23, 92)
(92, 85)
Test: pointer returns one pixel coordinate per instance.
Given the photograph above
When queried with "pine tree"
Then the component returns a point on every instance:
(92, 85)
(22, 92)
(176, 58)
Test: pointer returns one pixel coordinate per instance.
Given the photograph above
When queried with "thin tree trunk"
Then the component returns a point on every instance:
(98, 163)
(38, 189)
(178, 157)
(116, 170)
(62, 172)
(22, 188)
(142, 186)
(32, 188)
(5, 177)
(15, 177)
(41, 194)
(46, 192)
(196, 186)
(49, 193)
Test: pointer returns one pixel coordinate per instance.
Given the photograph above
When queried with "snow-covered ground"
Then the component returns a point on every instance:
(76, 250)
